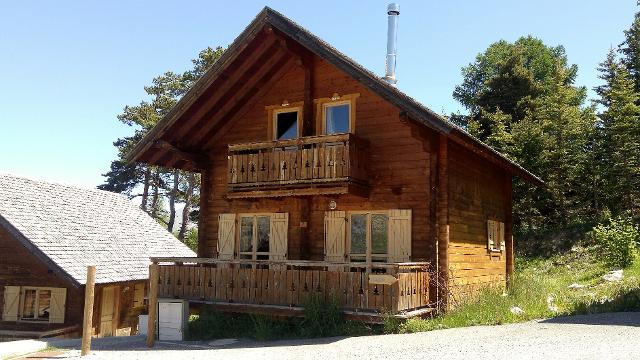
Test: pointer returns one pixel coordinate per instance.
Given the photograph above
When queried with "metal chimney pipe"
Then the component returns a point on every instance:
(393, 10)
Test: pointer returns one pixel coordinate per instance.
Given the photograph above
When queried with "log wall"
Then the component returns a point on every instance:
(399, 167)
(476, 194)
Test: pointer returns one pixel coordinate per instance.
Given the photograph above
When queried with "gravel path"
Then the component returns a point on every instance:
(602, 336)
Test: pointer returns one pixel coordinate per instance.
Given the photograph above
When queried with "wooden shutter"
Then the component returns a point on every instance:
(11, 303)
(278, 240)
(399, 235)
(226, 236)
(56, 309)
(490, 235)
(335, 226)
(138, 295)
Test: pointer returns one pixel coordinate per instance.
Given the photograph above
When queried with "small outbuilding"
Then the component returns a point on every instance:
(49, 234)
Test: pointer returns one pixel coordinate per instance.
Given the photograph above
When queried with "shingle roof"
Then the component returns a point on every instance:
(70, 228)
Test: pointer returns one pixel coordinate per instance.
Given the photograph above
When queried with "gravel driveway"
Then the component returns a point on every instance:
(602, 336)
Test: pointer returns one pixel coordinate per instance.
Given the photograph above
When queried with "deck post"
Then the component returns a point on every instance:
(88, 310)
(153, 304)
(508, 228)
(442, 218)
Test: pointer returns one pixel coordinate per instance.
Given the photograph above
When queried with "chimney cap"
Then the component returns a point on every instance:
(393, 9)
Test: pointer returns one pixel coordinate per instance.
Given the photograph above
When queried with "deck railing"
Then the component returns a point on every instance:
(388, 287)
(313, 160)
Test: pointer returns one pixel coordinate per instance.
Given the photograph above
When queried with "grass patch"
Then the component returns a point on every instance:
(541, 290)
(321, 319)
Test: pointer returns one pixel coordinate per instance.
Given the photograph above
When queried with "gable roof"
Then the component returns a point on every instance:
(410, 108)
(69, 228)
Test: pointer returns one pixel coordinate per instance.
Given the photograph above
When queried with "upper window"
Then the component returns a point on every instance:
(337, 118)
(286, 124)
(369, 236)
(336, 115)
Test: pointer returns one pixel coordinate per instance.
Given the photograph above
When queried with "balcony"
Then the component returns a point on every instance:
(331, 164)
(282, 287)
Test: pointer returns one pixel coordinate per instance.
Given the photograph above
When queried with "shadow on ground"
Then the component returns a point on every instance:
(615, 319)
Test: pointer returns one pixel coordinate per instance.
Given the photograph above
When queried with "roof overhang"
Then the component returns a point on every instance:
(166, 143)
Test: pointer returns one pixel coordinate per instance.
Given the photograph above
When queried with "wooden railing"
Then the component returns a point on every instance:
(377, 288)
(314, 160)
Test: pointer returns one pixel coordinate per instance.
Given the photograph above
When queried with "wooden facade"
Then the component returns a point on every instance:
(394, 157)
(20, 269)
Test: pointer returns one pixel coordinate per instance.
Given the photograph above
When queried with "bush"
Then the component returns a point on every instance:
(321, 318)
(617, 240)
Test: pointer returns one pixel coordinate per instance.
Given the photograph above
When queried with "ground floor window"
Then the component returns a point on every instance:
(29, 303)
(369, 236)
(36, 304)
(255, 235)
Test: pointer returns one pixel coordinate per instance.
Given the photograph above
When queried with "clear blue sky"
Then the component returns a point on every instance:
(68, 68)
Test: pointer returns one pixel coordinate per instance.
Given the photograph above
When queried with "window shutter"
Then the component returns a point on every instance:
(490, 234)
(56, 309)
(335, 225)
(399, 235)
(278, 240)
(138, 295)
(226, 236)
(11, 303)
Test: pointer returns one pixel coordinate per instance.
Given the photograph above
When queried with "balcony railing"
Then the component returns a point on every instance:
(329, 164)
(374, 288)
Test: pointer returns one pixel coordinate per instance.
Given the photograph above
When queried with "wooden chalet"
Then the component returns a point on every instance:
(319, 177)
(49, 234)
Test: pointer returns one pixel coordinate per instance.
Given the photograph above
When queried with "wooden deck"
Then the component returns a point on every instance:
(332, 164)
(262, 285)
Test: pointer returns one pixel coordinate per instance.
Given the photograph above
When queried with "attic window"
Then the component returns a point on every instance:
(336, 115)
(336, 118)
(286, 124)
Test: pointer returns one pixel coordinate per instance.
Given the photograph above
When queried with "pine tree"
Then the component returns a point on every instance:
(630, 50)
(620, 136)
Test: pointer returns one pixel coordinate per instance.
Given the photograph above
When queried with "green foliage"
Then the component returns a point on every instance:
(539, 283)
(617, 240)
(158, 186)
(321, 317)
(191, 240)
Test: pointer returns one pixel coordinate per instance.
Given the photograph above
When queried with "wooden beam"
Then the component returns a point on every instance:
(217, 97)
(508, 227)
(218, 129)
(194, 159)
(442, 210)
(115, 321)
(307, 111)
(240, 97)
(87, 321)
(206, 183)
(153, 304)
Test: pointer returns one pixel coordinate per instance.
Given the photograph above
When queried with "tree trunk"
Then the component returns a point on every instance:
(145, 189)
(172, 200)
(187, 206)
(156, 195)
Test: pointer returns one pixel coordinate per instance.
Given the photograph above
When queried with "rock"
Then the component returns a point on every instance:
(575, 286)
(550, 305)
(517, 311)
(615, 275)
